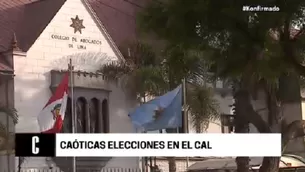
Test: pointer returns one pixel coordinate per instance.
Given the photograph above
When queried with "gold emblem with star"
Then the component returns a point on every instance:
(158, 113)
(77, 24)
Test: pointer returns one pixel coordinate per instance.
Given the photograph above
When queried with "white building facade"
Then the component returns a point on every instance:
(76, 32)
(88, 46)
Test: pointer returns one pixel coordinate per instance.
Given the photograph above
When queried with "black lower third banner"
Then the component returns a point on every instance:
(31, 144)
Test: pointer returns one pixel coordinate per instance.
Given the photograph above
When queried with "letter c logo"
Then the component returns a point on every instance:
(35, 149)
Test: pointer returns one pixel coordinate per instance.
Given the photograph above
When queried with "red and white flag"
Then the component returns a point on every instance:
(51, 117)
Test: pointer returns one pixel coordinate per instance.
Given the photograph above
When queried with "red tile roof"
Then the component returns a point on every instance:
(36, 16)
(9, 14)
(28, 18)
(119, 18)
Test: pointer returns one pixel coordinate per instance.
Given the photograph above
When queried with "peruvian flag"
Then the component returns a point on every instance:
(51, 117)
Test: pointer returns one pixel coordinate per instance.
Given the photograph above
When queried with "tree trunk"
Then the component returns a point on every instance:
(242, 164)
(171, 164)
(294, 130)
(243, 107)
(242, 100)
(270, 164)
(241, 126)
(198, 127)
(288, 92)
(171, 160)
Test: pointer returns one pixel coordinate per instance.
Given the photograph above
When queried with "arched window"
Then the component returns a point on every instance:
(81, 112)
(105, 116)
(67, 125)
(94, 116)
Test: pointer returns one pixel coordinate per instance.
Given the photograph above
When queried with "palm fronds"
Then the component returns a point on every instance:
(140, 54)
(139, 74)
(135, 81)
(202, 106)
(6, 137)
(6, 141)
(115, 70)
(149, 80)
(11, 112)
(143, 73)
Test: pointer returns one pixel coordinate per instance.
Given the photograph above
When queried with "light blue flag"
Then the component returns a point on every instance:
(160, 113)
(170, 117)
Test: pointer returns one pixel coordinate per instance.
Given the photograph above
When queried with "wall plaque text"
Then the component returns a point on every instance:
(74, 42)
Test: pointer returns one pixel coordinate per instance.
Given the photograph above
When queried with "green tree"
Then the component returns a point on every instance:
(7, 144)
(144, 74)
(242, 46)
(203, 107)
(139, 74)
(6, 136)
(178, 64)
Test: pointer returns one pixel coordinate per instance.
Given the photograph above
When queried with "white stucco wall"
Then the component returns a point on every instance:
(32, 71)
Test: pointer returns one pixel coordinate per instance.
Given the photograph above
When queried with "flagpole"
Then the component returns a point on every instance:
(71, 68)
(186, 118)
(144, 169)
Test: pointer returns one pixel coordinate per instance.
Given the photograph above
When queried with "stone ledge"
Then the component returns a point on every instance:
(81, 79)
(19, 53)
